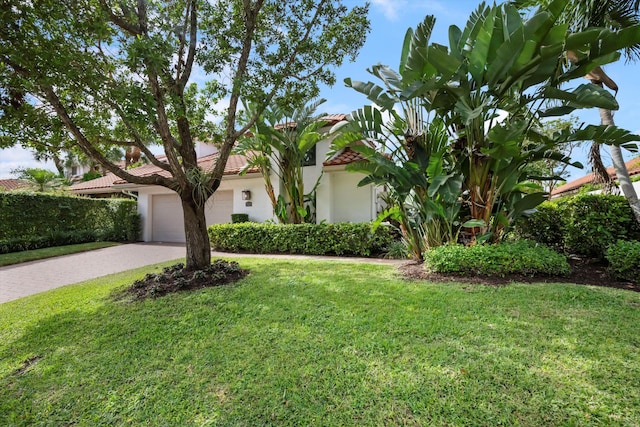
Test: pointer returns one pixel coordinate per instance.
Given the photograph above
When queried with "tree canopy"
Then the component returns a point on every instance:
(99, 73)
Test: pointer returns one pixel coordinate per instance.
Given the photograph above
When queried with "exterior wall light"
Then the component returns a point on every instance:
(246, 195)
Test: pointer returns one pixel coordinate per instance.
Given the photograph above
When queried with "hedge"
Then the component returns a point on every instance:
(32, 221)
(520, 257)
(311, 239)
(585, 224)
(624, 260)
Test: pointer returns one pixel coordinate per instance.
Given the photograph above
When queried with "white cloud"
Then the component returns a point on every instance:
(390, 8)
(17, 157)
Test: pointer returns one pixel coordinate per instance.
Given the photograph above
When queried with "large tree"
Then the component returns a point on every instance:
(615, 15)
(125, 73)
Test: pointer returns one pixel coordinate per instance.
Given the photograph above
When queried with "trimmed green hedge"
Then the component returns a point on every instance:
(310, 239)
(237, 218)
(520, 257)
(585, 224)
(32, 221)
(624, 260)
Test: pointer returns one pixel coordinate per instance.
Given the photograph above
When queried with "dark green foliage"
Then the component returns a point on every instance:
(521, 257)
(595, 222)
(546, 225)
(624, 260)
(311, 239)
(237, 218)
(91, 175)
(32, 221)
(585, 224)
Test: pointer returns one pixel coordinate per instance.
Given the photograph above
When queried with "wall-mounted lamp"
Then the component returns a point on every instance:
(246, 195)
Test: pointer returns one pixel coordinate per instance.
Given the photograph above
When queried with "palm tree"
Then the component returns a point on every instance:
(40, 180)
(615, 15)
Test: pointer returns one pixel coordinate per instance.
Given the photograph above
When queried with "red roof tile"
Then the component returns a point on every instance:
(104, 182)
(13, 184)
(234, 164)
(633, 166)
(344, 157)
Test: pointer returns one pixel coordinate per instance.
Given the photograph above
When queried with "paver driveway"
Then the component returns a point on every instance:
(20, 280)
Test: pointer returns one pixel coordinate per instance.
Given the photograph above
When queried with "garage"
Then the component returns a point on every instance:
(167, 223)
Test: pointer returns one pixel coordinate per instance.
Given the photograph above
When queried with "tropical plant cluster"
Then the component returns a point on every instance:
(520, 257)
(451, 133)
(281, 142)
(624, 260)
(585, 224)
(32, 221)
(310, 239)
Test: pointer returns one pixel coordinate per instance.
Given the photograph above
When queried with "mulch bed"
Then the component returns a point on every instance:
(583, 272)
(176, 279)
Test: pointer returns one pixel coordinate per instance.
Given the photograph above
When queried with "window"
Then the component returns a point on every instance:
(310, 157)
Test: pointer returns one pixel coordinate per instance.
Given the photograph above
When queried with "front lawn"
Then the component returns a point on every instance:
(37, 254)
(322, 343)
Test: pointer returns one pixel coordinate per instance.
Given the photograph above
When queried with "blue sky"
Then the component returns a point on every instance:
(389, 22)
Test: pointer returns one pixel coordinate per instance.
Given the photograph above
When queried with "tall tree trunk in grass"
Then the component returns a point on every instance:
(599, 77)
(621, 169)
(199, 248)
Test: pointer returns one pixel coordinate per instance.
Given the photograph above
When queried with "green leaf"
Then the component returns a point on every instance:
(373, 92)
(472, 223)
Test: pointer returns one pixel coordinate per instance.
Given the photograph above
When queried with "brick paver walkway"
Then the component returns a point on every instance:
(20, 280)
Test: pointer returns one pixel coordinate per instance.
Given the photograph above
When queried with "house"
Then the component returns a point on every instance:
(13, 184)
(572, 187)
(339, 199)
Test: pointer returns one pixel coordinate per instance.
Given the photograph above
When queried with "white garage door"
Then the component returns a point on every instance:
(168, 222)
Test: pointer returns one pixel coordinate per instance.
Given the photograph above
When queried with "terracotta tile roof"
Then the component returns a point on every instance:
(12, 184)
(344, 157)
(633, 166)
(234, 164)
(104, 182)
(331, 120)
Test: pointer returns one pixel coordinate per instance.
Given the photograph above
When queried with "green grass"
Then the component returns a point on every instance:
(36, 254)
(322, 343)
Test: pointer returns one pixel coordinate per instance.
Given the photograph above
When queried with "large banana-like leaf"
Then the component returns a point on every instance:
(602, 134)
(586, 95)
(374, 93)
(481, 48)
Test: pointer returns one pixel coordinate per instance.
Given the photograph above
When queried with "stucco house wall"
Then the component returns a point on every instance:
(338, 198)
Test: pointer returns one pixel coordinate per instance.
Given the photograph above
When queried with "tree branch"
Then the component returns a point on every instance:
(191, 55)
(92, 152)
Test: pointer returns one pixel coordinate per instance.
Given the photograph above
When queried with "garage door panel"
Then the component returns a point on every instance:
(168, 221)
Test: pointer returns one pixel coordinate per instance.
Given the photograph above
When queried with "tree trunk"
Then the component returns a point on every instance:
(195, 230)
(621, 169)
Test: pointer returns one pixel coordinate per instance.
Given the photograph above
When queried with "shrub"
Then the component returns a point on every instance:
(585, 224)
(596, 222)
(32, 221)
(519, 257)
(624, 260)
(546, 225)
(237, 218)
(310, 239)
(397, 250)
